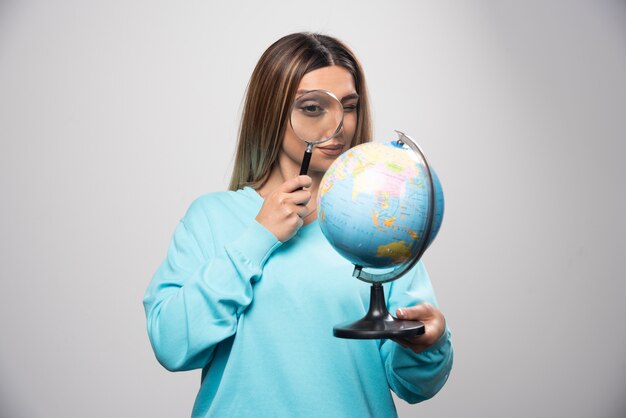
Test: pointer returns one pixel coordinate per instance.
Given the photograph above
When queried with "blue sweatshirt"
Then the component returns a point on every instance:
(256, 315)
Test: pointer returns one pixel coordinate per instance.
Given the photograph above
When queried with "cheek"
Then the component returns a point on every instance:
(291, 143)
(349, 125)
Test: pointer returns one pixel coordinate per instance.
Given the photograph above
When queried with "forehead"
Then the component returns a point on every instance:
(335, 79)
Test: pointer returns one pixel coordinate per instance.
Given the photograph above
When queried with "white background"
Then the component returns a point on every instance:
(115, 115)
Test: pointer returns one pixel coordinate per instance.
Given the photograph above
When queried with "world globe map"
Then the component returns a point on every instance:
(373, 205)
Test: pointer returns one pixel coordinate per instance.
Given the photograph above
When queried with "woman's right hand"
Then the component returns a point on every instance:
(284, 209)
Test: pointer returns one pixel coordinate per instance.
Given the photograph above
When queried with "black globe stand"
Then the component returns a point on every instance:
(378, 322)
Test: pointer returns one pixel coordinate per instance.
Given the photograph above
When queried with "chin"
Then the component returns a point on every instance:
(319, 168)
(321, 161)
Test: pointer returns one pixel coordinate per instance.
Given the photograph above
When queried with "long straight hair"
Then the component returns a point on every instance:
(272, 90)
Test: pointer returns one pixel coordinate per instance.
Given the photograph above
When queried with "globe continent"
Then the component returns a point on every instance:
(373, 204)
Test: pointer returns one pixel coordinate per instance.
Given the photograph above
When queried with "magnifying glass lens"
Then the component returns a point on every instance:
(316, 116)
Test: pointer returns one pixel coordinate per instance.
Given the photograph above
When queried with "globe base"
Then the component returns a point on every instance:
(378, 322)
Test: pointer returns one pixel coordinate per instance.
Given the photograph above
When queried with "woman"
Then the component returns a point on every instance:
(250, 289)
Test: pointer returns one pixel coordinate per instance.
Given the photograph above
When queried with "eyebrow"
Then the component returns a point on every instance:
(352, 96)
(342, 100)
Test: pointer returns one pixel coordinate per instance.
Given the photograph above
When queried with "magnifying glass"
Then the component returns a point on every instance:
(316, 117)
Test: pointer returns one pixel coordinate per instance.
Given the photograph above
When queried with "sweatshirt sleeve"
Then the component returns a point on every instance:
(416, 377)
(197, 294)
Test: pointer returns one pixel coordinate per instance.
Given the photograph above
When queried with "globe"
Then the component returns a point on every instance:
(373, 206)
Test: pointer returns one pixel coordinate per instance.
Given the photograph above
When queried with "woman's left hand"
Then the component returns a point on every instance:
(434, 325)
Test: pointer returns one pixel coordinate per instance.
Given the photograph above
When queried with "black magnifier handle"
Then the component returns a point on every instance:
(306, 159)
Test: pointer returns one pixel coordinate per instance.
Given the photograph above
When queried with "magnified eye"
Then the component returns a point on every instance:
(312, 109)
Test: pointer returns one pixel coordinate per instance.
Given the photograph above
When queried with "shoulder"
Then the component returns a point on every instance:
(220, 207)
(216, 218)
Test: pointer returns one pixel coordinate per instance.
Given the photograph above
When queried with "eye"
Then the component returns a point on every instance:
(312, 109)
(350, 107)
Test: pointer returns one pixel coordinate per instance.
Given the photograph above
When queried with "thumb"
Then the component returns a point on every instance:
(418, 312)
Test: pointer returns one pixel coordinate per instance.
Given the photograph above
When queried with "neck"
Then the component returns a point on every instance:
(281, 172)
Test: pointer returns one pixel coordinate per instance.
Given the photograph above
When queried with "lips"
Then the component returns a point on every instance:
(331, 150)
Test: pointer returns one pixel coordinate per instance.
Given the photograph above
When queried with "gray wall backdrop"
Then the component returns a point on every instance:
(115, 115)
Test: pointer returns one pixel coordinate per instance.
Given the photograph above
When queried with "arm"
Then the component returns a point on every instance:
(198, 294)
(413, 376)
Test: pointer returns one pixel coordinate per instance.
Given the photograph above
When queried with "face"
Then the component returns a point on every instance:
(340, 82)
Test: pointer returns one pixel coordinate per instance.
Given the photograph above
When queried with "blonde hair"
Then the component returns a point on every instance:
(270, 93)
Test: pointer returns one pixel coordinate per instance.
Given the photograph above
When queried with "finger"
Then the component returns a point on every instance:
(417, 312)
(302, 211)
(305, 180)
(299, 197)
(296, 183)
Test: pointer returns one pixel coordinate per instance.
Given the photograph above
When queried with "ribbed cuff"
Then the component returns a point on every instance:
(254, 246)
(440, 342)
(404, 357)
